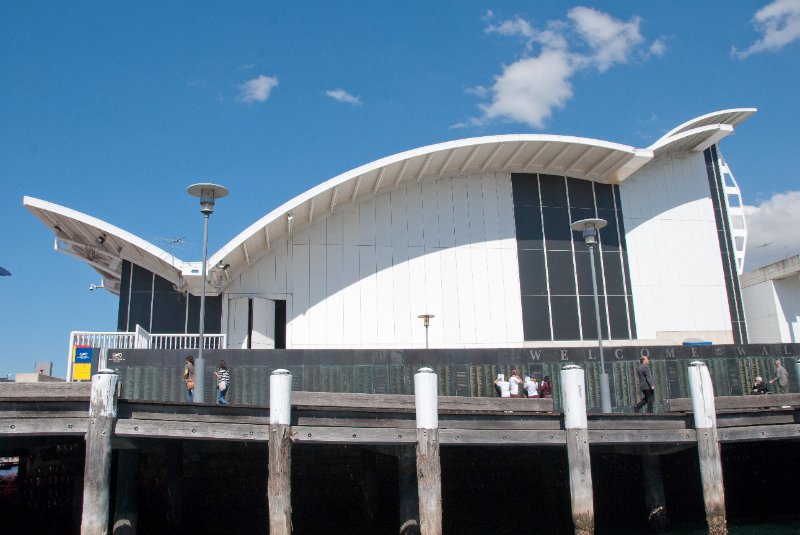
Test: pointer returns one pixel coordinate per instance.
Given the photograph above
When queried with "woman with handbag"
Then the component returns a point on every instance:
(188, 378)
(223, 382)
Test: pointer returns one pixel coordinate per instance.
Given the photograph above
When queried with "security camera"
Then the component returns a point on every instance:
(92, 287)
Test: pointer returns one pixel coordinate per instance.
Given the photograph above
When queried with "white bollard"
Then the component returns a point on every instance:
(708, 452)
(573, 401)
(426, 399)
(280, 397)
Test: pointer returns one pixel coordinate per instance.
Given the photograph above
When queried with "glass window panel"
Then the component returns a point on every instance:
(554, 190)
(532, 275)
(617, 312)
(632, 316)
(612, 271)
(580, 193)
(588, 321)
(535, 318)
(604, 194)
(556, 229)
(584, 269)
(565, 318)
(561, 272)
(528, 222)
(525, 189)
(608, 234)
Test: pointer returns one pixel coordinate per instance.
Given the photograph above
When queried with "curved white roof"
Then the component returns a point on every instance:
(589, 159)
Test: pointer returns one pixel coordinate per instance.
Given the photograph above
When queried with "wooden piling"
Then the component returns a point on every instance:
(279, 485)
(573, 397)
(97, 471)
(708, 451)
(429, 470)
(125, 506)
(654, 499)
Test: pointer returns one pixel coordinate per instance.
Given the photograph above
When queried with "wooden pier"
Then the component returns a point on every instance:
(53, 410)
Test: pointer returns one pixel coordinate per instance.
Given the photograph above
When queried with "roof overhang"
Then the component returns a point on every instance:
(589, 159)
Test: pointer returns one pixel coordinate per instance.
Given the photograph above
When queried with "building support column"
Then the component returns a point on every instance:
(279, 485)
(573, 398)
(97, 471)
(429, 469)
(654, 499)
(708, 451)
(407, 491)
(126, 513)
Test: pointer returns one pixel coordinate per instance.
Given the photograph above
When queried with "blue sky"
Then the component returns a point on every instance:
(113, 109)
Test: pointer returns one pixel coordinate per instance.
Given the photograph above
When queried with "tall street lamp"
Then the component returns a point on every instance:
(208, 193)
(589, 228)
(426, 320)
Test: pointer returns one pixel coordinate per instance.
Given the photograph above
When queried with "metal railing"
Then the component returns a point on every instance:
(139, 339)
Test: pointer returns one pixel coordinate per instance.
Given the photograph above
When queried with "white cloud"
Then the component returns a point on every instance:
(612, 41)
(658, 47)
(343, 96)
(772, 229)
(531, 88)
(779, 22)
(257, 89)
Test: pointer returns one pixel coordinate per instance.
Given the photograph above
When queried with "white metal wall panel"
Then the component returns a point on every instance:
(263, 335)
(334, 304)
(317, 292)
(298, 317)
(360, 277)
(401, 285)
(238, 312)
(673, 250)
(351, 297)
(369, 296)
(444, 204)
(414, 215)
(384, 295)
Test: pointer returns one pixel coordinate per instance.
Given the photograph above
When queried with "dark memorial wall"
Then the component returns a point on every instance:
(157, 374)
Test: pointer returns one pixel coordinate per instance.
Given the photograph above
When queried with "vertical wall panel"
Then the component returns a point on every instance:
(366, 222)
(430, 215)
(298, 318)
(460, 211)
(383, 220)
(444, 204)
(466, 295)
(433, 295)
(399, 218)
(450, 311)
(334, 304)
(350, 233)
(414, 214)
(317, 291)
(402, 296)
(369, 295)
(491, 214)
(263, 335)
(482, 296)
(333, 228)
(351, 298)
(477, 232)
(384, 294)
(418, 299)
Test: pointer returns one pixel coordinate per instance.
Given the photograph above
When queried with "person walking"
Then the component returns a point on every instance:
(223, 382)
(781, 377)
(188, 378)
(646, 385)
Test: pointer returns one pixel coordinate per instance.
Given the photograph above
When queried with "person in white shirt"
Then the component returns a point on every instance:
(505, 391)
(531, 385)
(513, 384)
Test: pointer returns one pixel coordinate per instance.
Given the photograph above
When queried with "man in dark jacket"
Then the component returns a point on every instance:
(646, 385)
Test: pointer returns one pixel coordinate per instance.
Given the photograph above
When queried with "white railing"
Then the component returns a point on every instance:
(139, 339)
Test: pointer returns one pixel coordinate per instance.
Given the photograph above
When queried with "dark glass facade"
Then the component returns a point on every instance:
(152, 302)
(554, 262)
(717, 190)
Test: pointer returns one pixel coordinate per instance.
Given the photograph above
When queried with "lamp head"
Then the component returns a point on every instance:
(588, 228)
(208, 194)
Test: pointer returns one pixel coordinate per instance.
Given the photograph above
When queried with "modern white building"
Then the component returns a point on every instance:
(771, 297)
(475, 232)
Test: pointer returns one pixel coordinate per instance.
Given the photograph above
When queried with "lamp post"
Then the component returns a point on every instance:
(426, 321)
(589, 228)
(208, 193)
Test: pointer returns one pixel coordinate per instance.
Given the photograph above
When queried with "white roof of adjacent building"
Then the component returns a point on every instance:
(103, 246)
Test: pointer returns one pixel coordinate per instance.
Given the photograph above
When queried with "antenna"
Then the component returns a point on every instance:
(173, 243)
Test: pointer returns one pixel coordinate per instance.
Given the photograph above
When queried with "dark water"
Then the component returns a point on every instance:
(353, 490)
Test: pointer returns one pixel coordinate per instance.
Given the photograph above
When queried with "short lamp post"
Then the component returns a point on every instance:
(208, 194)
(426, 321)
(589, 228)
